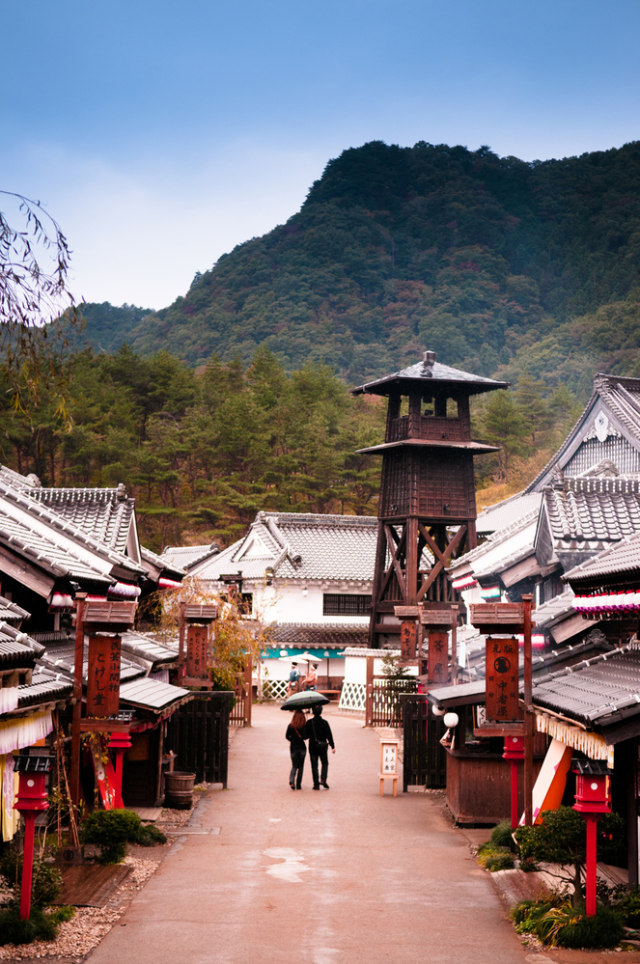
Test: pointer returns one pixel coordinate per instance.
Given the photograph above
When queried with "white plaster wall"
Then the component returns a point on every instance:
(290, 603)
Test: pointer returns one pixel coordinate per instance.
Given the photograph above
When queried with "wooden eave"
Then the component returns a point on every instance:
(477, 447)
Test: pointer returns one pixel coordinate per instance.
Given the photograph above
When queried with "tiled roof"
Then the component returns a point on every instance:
(429, 370)
(307, 636)
(150, 650)
(60, 657)
(624, 557)
(105, 514)
(151, 694)
(594, 510)
(507, 513)
(621, 396)
(300, 546)
(601, 691)
(507, 544)
(542, 664)
(45, 538)
(10, 612)
(185, 557)
(554, 609)
(44, 687)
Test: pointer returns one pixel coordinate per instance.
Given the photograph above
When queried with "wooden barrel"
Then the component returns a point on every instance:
(178, 789)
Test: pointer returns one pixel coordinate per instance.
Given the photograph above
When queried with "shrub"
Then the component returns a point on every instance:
(46, 879)
(604, 929)
(558, 923)
(492, 857)
(39, 926)
(502, 835)
(113, 829)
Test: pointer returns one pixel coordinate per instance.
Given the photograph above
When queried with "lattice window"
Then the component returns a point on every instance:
(343, 604)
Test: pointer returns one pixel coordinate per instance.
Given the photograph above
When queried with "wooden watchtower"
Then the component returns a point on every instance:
(427, 506)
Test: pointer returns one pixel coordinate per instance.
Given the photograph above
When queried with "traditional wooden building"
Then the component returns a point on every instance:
(307, 577)
(426, 507)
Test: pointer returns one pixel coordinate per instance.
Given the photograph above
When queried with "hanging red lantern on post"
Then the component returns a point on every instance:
(31, 800)
(593, 797)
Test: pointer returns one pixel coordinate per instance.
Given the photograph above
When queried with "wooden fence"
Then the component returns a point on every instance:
(425, 759)
(384, 700)
(198, 732)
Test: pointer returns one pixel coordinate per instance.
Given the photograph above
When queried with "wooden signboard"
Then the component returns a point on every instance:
(438, 665)
(103, 683)
(502, 679)
(408, 639)
(197, 639)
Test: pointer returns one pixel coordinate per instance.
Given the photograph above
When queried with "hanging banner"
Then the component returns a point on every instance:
(408, 639)
(502, 680)
(197, 638)
(103, 683)
(438, 665)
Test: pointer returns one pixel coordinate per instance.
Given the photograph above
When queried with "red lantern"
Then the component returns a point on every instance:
(592, 798)
(32, 797)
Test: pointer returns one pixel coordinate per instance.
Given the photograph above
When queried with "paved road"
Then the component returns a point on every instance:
(341, 875)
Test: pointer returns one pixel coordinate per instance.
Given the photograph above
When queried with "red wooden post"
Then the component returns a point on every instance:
(32, 798)
(74, 776)
(592, 799)
(514, 753)
(592, 864)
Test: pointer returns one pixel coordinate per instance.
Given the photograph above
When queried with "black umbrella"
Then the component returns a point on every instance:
(304, 701)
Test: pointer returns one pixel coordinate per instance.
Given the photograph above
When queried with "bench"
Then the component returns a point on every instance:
(330, 694)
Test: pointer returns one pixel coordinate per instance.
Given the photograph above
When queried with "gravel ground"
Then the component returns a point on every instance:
(77, 937)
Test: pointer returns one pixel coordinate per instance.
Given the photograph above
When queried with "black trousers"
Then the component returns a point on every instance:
(297, 766)
(319, 752)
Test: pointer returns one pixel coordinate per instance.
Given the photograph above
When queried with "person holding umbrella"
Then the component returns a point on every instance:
(320, 737)
(297, 748)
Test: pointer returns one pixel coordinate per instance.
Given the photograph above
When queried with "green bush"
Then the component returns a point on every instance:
(557, 923)
(502, 835)
(602, 930)
(46, 878)
(625, 901)
(39, 926)
(113, 829)
(492, 857)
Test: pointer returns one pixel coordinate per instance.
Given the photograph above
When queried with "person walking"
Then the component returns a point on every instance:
(297, 748)
(318, 731)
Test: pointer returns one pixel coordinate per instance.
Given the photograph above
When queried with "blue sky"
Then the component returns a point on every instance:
(160, 135)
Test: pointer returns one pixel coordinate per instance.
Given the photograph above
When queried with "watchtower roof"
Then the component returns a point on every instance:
(429, 371)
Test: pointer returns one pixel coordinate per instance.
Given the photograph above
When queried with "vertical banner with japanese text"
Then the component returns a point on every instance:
(197, 638)
(438, 665)
(103, 682)
(408, 638)
(502, 679)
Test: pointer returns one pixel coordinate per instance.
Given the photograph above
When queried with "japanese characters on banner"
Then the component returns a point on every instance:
(438, 665)
(103, 684)
(502, 679)
(408, 639)
(197, 639)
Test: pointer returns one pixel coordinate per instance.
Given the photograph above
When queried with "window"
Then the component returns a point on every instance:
(341, 604)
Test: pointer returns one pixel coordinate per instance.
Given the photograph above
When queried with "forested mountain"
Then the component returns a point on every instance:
(499, 265)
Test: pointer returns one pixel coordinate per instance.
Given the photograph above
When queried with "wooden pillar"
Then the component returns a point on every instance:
(368, 711)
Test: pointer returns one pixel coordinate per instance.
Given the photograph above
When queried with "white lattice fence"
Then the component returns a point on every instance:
(275, 689)
(353, 697)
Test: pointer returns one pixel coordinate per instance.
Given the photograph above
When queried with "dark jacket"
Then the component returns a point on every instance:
(317, 730)
(295, 738)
